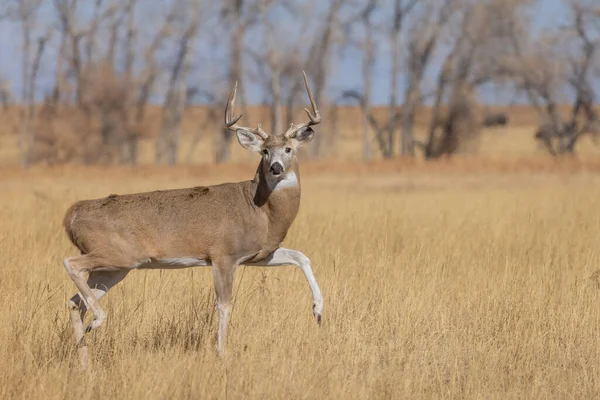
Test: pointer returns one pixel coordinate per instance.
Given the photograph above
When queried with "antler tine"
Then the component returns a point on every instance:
(231, 122)
(314, 116)
(259, 131)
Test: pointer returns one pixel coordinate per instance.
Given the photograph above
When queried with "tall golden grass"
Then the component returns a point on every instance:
(471, 284)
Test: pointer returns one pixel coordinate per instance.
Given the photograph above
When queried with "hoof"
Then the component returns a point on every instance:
(96, 323)
(317, 313)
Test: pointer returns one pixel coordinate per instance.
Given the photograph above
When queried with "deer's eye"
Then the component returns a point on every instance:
(288, 149)
(265, 152)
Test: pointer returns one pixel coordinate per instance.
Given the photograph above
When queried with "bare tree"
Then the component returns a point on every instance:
(168, 143)
(319, 62)
(213, 113)
(473, 59)
(240, 15)
(422, 42)
(279, 62)
(110, 65)
(146, 81)
(26, 13)
(129, 144)
(384, 132)
(5, 91)
(275, 60)
(110, 98)
(67, 10)
(402, 9)
(32, 92)
(6, 97)
(367, 43)
(544, 67)
(368, 61)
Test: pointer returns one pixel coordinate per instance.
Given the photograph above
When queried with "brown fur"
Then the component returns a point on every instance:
(120, 231)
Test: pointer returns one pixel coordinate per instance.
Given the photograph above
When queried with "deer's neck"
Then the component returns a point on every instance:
(279, 201)
(277, 194)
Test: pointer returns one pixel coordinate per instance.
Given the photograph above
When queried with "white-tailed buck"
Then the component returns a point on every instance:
(221, 226)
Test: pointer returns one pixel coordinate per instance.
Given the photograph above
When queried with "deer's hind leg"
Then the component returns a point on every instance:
(99, 282)
(80, 268)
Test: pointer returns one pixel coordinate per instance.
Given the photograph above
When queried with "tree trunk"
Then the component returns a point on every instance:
(367, 72)
(173, 142)
(290, 102)
(331, 140)
(59, 83)
(167, 145)
(321, 60)
(237, 46)
(395, 60)
(274, 63)
(429, 151)
(32, 94)
(129, 143)
(276, 107)
(408, 117)
(90, 45)
(223, 149)
(25, 85)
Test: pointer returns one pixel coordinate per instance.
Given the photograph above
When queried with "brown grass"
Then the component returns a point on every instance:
(475, 277)
(479, 283)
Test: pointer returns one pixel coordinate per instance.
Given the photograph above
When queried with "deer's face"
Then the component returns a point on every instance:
(277, 151)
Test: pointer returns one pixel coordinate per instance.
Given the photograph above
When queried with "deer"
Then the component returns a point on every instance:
(221, 226)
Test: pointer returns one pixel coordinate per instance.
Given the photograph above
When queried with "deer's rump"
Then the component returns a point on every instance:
(124, 229)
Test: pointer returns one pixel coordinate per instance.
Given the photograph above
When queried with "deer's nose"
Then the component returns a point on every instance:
(276, 168)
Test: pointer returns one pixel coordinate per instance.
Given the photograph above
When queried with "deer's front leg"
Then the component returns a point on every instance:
(223, 274)
(284, 256)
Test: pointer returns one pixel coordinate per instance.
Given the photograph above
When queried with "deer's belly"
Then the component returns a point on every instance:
(172, 263)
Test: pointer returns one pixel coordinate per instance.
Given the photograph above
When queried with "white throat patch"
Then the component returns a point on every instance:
(290, 180)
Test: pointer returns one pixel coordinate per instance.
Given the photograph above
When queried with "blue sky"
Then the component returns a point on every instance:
(346, 73)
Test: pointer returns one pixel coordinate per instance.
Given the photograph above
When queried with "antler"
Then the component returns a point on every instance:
(231, 122)
(315, 116)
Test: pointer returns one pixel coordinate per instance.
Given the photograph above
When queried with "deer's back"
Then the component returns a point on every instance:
(170, 223)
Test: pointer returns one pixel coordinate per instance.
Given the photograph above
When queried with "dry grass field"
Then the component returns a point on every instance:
(477, 277)
(443, 282)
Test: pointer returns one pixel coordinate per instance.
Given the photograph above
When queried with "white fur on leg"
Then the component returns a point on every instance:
(100, 283)
(222, 333)
(284, 256)
(91, 302)
(77, 322)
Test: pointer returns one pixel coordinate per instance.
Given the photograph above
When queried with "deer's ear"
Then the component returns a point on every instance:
(249, 140)
(304, 136)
